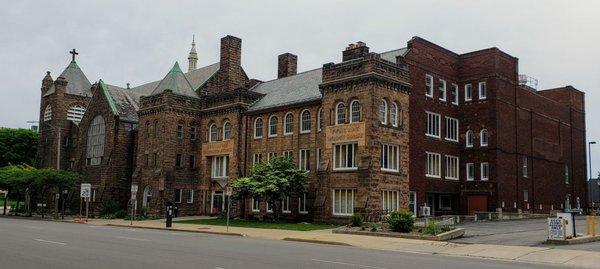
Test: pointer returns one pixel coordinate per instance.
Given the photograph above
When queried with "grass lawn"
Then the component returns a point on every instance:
(280, 225)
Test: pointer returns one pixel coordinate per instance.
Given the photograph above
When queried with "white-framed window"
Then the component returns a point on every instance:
(433, 165)
(304, 160)
(193, 131)
(177, 195)
(190, 196)
(452, 129)
(567, 177)
(442, 89)
(390, 201)
(257, 158)
(340, 113)
(485, 171)
(268, 207)
(390, 159)
(482, 90)
(412, 202)
(445, 202)
(302, 209)
(428, 86)
(95, 141)
(289, 124)
(179, 131)
(483, 137)
(226, 130)
(469, 139)
(452, 164)
(288, 154)
(213, 135)
(219, 166)
(255, 204)
(305, 122)
(383, 108)
(525, 166)
(344, 156)
(343, 202)
(432, 123)
(394, 114)
(454, 93)
(468, 92)
(258, 128)
(354, 111)
(318, 159)
(192, 161)
(75, 114)
(285, 205)
(273, 126)
(271, 156)
(48, 113)
(470, 171)
(320, 119)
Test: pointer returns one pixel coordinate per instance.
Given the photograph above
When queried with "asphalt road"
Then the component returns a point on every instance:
(44, 244)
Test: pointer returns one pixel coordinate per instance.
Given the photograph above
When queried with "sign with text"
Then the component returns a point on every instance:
(217, 148)
(556, 229)
(353, 132)
(86, 190)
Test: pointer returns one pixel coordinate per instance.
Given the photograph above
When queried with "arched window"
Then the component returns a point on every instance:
(226, 131)
(320, 119)
(383, 111)
(394, 114)
(148, 131)
(258, 128)
(213, 135)
(75, 114)
(484, 137)
(48, 113)
(95, 141)
(340, 113)
(305, 124)
(354, 111)
(147, 196)
(273, 126)
(289, 124)
(469, 139)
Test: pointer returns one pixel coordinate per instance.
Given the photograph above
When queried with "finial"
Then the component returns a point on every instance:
(128, 86)
(193, 39)
(74, 52)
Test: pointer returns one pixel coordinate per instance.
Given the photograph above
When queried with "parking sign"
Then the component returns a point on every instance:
(86, 190)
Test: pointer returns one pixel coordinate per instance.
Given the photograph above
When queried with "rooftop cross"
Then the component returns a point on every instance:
(73, 52)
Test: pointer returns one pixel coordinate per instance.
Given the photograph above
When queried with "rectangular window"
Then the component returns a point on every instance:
(442, 88)
(302, 204)
(178, 160)
(525, 167)
(255, 204)
(452, 163)
(271, 156)
(412, 202)
(192, 161)
(525, 196)
(190, 197)
(344, 156)
(288, 154)
(485, 171)
(304, 160)
(432, 123)
(468, 92)
(390, 201)
(257, 158)
(470, 167)
(454, 94)
(482, 90)
(318, 159)
(445, 202)
(193, 133)
(428, 86)
(219, 166)
(180, 131)
(268, 207)
(389, 157)
(343, 202)
(433, 166)
(452, 129)
(177, 195)
(285, 205)
(567, 179)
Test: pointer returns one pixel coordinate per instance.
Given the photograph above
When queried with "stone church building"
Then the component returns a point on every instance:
(415, 128)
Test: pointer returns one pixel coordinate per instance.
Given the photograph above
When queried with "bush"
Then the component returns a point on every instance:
(356, 220)
(120, 214)
(431, 228)
(109, 207)
(402, 222)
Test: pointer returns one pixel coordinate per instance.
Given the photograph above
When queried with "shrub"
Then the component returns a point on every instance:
(374, 227)
(431, 228)
(402, 222)
(120, 214)
(356, 220)
(109, 207)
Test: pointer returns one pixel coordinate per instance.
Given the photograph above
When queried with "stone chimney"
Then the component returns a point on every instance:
(47, 82)
(354, 51)
(287, 65)
(230, 70)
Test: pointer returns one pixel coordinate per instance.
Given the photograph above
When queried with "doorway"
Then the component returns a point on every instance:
(217, 204)
(477, 203)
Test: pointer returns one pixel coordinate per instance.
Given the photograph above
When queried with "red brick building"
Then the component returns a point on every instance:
(412, 127)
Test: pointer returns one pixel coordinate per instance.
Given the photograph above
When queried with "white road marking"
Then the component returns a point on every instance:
(350, 264)
(132, 238)
(51, 242)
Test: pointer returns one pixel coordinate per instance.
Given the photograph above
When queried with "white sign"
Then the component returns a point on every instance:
(134, 190)
(556, 229)
(229, 191)
(86, 190)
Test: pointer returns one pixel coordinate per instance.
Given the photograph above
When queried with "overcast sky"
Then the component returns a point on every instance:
(556, 42)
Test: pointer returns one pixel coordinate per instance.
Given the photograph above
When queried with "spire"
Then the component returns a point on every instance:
(176, 82)
(193, 57)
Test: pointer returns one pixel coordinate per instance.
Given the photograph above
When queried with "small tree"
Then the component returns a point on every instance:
(273, 181)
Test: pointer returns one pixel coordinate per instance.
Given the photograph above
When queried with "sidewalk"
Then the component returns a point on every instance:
(542, 255)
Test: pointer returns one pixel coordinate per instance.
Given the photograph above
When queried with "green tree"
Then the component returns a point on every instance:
(272, 181)
(17, 146)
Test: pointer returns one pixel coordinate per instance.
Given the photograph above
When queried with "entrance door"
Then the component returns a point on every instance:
(217, 203)
(477, 203)
(430, 200)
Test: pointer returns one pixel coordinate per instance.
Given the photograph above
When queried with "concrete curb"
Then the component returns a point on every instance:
(574, 241)
(175, 229)
(449, 235)
(316, 241)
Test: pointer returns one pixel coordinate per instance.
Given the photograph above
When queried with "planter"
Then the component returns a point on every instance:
(449, 235)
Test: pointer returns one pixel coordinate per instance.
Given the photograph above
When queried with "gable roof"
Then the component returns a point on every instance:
(77, 82)
(196, 78)
(123, 102)
(175, 81)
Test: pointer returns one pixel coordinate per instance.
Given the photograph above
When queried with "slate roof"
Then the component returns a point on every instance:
(195, 77)
(78, 83)
(125, 102)
(175, 81)
(300, 88)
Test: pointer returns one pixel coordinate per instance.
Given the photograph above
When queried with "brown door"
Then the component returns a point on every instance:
(477, 203)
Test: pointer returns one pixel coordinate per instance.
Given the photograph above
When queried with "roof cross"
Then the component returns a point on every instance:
(73, 52)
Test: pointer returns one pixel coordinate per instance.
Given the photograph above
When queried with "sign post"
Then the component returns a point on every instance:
(134, 189)
(229, 192)
(86, 192)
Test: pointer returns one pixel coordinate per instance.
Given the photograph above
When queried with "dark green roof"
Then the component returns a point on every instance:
(175, 81)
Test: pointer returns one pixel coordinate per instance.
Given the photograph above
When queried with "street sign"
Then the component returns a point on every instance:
(229, 191)
(134, 189)
(86, 190)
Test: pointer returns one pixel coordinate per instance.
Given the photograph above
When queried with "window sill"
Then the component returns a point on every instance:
(258, 137)
(304, 132)
(433, 136)
(433, 176)
(287, 134)
(303, 212)
(389, 170)
(255, 211)
(342, 214)
(345, 169)
(271, 136)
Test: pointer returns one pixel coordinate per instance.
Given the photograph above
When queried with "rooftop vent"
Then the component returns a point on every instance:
(528, 82)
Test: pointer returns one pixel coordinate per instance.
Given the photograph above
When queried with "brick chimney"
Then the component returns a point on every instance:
(287, 65)
(354, 51)
(230, 71)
